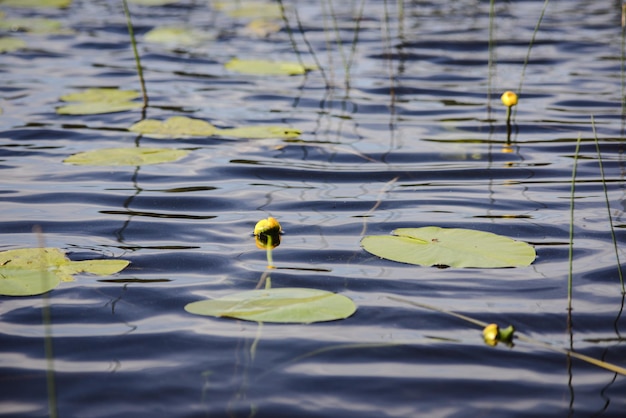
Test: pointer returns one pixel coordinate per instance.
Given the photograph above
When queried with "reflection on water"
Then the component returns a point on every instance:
(402, 127)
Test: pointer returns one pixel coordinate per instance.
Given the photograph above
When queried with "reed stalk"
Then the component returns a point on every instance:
(571, 228)
(133, 43)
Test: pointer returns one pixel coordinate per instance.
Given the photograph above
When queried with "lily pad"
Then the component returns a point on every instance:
(177, 36)
(264, 67)
(249, 9)
(99, 100)
(59, 4)
(430, 246)
(8, 44)
(259, 132)
(153, 2)
(281, 305)
(34, 25)
(126, 156)
(174, 127)
(33, 271)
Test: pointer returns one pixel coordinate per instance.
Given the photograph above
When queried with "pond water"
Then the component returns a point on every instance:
(402, 126)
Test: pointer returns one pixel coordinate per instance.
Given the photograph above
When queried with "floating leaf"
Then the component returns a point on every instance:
(249, 9)
(177, 36)
(8, 44)
(59, 4)
(282, 305)
(452, 247)
(153, 2)
(262, 27)
(126, 156)
(174, 127)
(33, 271)
(259, 132)
(34, 25)
(99, 100)
(263, 67)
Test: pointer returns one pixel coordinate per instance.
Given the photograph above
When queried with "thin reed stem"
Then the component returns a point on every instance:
(571, 228)
(133, 42)
(608, 205)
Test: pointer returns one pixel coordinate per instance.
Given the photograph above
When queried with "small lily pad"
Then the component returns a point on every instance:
(264, 67)
(58, 4)
(34, 25)
(281, 305)
(8, 44)
(177, 36)
(136, 156)
(430, 246)
(98, 101)
(153, 2)
(249, 9)
(259, 132)
(174, 127)
(33, 271)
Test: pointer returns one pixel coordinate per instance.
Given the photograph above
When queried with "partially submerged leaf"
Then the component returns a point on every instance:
(33, 271)
(452, 247)
(9, 44)
(259, 132)
(281, 305)
(264, 67)
(99, 100)
(59, 4)
(126, 156)
(174, 127)
(34, 25)
(249, 9)
(173, 35)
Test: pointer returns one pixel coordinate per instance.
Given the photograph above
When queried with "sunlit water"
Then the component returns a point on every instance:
(402, 127)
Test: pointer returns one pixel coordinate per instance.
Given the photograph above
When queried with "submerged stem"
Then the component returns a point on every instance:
(608, 205)
(571, 227)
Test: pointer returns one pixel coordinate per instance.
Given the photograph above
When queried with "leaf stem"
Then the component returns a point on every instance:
(131, 33)
(571, 227)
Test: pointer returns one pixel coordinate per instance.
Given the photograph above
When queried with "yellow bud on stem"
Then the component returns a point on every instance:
(267, 226)
(509, 98)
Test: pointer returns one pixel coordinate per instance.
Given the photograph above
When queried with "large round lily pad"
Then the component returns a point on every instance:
(134, 156)
(281, 305)
(454, 247)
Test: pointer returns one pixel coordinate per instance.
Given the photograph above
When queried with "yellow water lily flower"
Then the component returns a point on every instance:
(509, 98)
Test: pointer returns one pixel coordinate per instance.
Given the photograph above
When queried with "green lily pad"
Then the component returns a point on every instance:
(259, 132)
(8, 44)
(34, 25)
(177, 36)
(430, 246)
(59, 4)
(174, 127)
(249, 9)
(33, 271)
(99, 100)
(264, 67)
(153, 2)
(126, 156)
(281, 305)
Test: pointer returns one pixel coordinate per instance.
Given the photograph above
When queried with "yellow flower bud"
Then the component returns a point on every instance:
(509, 98)
(267, 226)
(490, 334)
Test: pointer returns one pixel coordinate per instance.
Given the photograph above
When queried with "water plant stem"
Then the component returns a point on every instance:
(571, 227)
(608, 205)
(133, 42)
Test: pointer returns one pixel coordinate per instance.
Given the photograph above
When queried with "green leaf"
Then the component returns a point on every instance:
(249, 9)
(281, 305)
(34, 25)
(177, 36)
(259, 132)
(59, 4)
(33, 271)
(430, 246)
(174, 127)
(126, 156)
(99, 100)
(8, 44)
(264, 67)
